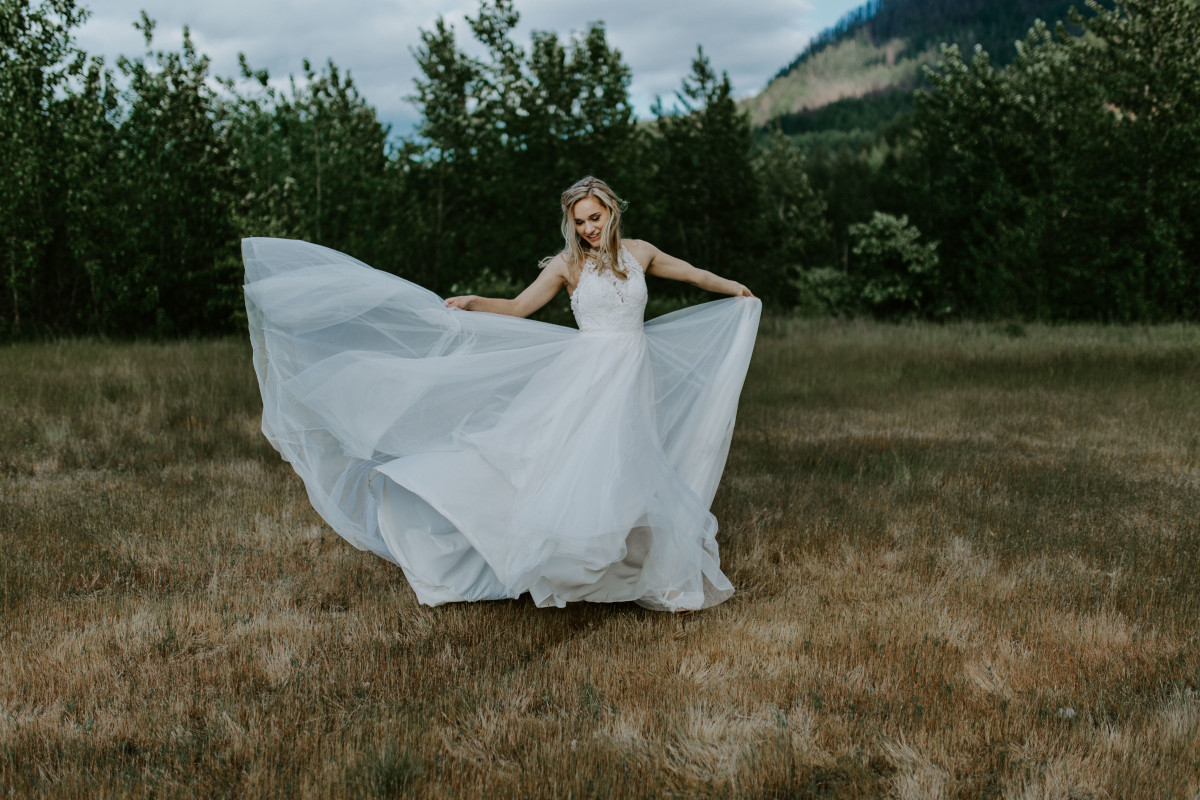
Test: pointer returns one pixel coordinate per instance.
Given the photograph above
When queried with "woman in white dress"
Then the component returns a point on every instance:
(490, 455)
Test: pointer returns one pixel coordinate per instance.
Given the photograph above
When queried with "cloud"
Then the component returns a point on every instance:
(750, 40)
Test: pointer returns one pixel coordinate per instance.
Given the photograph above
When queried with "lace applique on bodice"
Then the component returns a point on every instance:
(603, 303)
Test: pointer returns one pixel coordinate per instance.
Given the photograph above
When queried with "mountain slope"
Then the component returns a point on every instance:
(882, 47)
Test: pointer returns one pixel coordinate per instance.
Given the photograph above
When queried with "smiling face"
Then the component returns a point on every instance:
(591, 218)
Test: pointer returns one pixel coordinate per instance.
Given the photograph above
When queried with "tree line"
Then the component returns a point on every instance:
(1063, 186)
(125, 196)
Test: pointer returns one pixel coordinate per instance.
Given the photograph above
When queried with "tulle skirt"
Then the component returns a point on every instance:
(489, 456)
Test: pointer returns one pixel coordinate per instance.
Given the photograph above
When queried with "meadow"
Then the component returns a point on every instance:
(967, 561)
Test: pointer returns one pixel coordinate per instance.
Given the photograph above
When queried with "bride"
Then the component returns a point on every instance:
(489, 455)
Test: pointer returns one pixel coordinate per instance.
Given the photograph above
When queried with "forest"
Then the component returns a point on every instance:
(923, 22)
(1057, 182)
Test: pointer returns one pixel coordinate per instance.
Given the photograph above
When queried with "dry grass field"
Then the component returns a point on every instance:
(967, 560)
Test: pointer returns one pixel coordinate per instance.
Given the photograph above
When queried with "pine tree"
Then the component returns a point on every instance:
(704, 180)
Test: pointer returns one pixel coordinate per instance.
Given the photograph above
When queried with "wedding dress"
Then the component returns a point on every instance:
(489, 456)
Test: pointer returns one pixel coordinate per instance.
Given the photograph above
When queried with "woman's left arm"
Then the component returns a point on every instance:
(661, 265)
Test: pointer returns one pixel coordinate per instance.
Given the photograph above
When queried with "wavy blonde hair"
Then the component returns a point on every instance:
(577, 248)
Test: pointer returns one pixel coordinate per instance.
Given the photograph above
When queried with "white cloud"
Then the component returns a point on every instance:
(750, 40)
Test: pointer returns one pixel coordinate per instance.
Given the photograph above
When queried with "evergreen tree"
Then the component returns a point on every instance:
(38, 59)
(88, 228)
(793, 231)
(704, 181)
(1063, 187)
(315, 163)
(175, 197)
(504, 133)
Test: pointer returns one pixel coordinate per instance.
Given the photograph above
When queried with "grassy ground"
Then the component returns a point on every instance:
(967, 560)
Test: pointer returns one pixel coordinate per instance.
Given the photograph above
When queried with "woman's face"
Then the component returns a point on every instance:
(591, 218)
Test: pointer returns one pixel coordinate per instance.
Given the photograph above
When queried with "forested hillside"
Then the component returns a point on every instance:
(1064, 184)
(1030, 130)
(882, 47)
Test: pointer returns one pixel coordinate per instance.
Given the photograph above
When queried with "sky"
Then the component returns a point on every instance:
(374, 39)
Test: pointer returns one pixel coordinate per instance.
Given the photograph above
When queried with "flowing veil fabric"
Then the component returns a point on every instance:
(489, 456)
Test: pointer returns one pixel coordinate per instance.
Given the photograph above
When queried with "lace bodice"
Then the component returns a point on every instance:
(603, 303)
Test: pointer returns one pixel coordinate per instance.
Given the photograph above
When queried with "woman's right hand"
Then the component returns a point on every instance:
(463, 301)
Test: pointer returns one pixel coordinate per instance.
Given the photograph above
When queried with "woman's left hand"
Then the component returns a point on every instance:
(742, 291)
(462, 301)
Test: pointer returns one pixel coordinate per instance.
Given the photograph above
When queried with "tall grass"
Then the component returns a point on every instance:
(967, 560)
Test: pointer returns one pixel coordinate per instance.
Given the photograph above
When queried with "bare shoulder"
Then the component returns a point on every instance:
(640, 249)
(556, 265)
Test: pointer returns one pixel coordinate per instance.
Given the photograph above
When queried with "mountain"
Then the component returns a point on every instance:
(866, 66)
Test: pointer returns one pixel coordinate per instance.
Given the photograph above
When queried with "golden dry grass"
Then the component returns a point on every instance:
(968, 565)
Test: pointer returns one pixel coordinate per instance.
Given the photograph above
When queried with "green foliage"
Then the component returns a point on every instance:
(703, 180)
(892, 274)
(504, 133)
(792, 216)
(125, 207)
(1065, 186)
(117, 209)
(848, 100)
(312, 163)
(894, 268)
(37, 62)
(857, 174)
(89, 155)
(826, 291)
(174, 192)
(869, 113)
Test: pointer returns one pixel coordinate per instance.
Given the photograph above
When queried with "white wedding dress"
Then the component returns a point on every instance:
(489, 456)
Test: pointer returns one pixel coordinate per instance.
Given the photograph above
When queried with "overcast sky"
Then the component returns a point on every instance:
(373, 39)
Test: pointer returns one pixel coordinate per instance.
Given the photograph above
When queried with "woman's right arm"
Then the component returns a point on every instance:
(536, 294)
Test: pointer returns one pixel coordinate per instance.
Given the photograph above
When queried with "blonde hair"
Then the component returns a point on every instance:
(577, 250)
